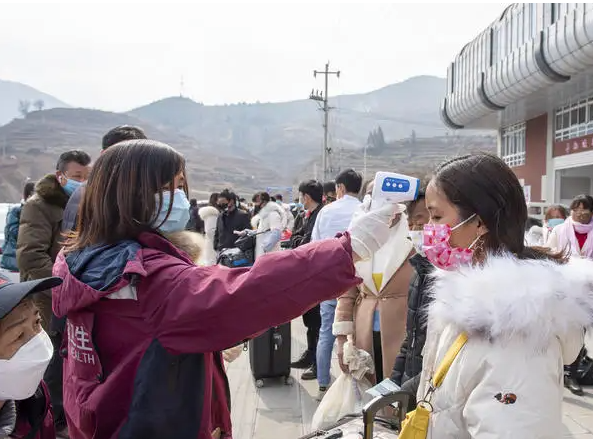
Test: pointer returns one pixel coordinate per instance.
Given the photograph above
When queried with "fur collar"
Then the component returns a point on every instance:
(268, 209)
(50, 191)
(190, 242)
(508, 298)
(208, 211)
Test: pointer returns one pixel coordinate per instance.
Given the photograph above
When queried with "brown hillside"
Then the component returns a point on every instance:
(31, 146)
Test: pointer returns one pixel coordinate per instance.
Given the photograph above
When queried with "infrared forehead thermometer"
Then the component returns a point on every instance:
(392, 188)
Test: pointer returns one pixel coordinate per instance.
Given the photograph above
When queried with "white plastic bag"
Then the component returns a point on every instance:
(345, 397)
(348, 394)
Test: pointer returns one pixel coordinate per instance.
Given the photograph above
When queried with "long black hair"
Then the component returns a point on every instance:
(484, 185)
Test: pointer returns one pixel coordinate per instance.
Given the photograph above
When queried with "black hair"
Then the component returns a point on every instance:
(312, 188)
(482, 184)
(531, 221)
(229, 195)
(214, 199)
(193, 202)
(585, 200)
(411, 205)
(28, 189)
(556, 207)
(263, 197)
(121, 133)
(273, 199)
(76, 156)
(329, 187)
(351, 180)
(279, 197)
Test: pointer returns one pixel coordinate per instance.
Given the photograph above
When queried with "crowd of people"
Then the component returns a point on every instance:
(124, 314)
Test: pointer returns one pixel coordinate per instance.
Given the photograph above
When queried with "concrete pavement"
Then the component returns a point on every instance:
(280, 411)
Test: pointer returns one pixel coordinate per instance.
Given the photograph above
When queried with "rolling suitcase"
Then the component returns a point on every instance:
(369, 425)
(269, 355)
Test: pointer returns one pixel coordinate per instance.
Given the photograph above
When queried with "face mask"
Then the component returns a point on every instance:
(438, 250)
(179, 216)
(417, 238)
(20, 376)
(553, 222)
(71, 186)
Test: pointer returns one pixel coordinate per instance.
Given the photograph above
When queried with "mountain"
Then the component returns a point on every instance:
(32, 145)
(11, 93)
(417, 157)
(289, 134)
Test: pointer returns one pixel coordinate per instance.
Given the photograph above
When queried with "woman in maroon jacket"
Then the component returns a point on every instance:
(144, 321)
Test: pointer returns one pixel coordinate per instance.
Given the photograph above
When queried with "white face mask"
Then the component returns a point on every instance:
(417, 237)
(20, 376)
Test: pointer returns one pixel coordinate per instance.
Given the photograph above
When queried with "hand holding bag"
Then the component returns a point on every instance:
(415, 426)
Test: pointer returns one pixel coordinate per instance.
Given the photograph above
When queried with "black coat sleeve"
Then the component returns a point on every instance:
(400, 363)
(217, 233)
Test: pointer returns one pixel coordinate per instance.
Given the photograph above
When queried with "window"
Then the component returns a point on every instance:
(513, 145)
(574, 120)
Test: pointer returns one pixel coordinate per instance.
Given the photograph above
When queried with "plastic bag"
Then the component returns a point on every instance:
(345, 397)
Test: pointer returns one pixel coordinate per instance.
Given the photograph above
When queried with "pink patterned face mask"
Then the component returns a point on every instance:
(438, 250)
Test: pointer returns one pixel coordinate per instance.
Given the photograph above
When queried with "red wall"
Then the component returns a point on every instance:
(536, 131)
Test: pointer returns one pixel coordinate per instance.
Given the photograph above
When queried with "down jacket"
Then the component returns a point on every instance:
(269, 223)
(524, 320)
(39, 240)
(408, 362)
(11, 234)
(209, 215)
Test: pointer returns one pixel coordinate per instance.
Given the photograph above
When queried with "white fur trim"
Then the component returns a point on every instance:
(207, 212)
(508, 298)
(343, 328)
(269, 208)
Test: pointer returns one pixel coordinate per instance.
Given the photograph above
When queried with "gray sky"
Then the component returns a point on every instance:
(118, 55)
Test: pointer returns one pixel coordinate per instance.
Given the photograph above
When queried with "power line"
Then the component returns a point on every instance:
(321, 97)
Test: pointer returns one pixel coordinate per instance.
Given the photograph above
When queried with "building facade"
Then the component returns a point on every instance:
(529, 76)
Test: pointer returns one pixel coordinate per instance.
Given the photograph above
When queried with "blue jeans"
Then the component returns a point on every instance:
(325, 345)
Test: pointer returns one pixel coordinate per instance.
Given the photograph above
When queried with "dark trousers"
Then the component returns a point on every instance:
(312, 321)
(53, 375)
(378, 355)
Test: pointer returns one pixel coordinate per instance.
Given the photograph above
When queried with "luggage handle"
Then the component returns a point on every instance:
(370, 410)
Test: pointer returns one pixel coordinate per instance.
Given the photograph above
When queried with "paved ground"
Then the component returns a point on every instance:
(279, 411)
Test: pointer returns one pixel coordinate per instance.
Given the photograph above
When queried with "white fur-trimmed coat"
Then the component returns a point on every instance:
(525, 320)
(209, 215)
(269, 223)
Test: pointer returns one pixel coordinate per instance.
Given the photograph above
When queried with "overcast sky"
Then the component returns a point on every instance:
(118, 55)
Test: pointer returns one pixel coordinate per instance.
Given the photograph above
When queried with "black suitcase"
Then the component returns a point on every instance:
(269, 355)
(369, 425)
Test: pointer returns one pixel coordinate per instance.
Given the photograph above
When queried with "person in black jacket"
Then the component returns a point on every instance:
(408, 363)
(114, 136)
(231, 220)
(311, 196)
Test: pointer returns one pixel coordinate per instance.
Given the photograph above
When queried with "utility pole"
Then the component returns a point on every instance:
(323, 97)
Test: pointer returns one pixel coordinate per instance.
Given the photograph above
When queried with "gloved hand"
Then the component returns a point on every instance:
(369, 230)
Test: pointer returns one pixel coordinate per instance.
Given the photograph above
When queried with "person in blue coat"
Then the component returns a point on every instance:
(11, 230)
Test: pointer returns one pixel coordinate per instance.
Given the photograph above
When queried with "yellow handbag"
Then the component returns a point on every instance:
(415, 426)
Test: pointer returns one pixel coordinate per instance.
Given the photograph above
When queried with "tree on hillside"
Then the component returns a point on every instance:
(376, 139)
(24, 107)
(39, 104)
